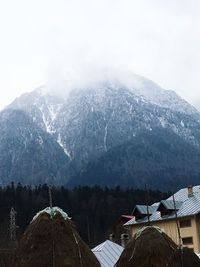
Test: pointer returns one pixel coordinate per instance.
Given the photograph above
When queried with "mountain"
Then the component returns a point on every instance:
(102, 122)
(42, 108)
(27, 153)
(157, 158)
(157, 95)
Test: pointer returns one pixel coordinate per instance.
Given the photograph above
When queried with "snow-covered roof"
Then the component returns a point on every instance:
(108, 253)
(52, 212)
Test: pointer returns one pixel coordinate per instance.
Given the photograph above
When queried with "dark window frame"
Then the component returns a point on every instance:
(185, 223)
(187, 240)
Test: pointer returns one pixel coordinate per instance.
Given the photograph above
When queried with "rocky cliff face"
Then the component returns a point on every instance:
(27, 153)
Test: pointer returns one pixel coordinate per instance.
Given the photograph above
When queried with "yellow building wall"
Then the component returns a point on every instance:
(197, 222)
(170, 228)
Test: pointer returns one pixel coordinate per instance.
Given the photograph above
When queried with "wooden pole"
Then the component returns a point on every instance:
(180, 245)
(50, 198)
(147, 200)
(177, 224)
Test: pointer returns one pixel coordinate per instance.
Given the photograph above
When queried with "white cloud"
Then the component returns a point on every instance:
(64, 39)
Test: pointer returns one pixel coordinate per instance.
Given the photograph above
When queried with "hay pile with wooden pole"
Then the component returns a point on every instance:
(150, 247)
(51, 240)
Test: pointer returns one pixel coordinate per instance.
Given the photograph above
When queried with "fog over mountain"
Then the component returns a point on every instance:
(113, 130)
(44, 39)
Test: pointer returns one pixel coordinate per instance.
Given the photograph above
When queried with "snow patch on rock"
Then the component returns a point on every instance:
(59, 141)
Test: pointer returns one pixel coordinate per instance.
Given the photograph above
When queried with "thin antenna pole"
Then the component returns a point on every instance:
(50, 198)
(88, 229)
(146, 198)
(13, 226)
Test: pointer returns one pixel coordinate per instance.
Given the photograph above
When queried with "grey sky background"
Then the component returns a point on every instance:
(72, 41)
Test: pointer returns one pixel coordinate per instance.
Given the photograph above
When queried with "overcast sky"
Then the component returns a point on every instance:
(53, 40)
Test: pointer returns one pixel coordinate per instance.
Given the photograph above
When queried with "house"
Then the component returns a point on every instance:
(118, 233)
(181, 212)
(108, 253)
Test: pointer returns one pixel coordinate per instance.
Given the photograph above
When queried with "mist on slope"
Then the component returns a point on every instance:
(62, 81)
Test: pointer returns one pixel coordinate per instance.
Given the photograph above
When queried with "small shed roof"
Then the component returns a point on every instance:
(108, 253)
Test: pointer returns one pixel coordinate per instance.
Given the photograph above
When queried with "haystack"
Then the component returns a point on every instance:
(148, 248)
(184, 258)
(6, 258)
(51, 240)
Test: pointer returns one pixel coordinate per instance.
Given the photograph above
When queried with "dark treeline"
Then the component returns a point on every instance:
(93, 209)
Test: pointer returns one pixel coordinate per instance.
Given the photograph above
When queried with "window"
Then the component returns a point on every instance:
(187, 240)
(192, 249)
(185, 223)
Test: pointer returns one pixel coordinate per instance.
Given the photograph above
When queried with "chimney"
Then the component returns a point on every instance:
(111, 237)
(190, 191)
(124, 239)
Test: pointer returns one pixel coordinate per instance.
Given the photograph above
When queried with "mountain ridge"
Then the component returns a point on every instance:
(90, 122)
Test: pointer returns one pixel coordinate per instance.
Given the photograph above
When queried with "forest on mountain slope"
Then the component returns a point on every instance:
(158, 158)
